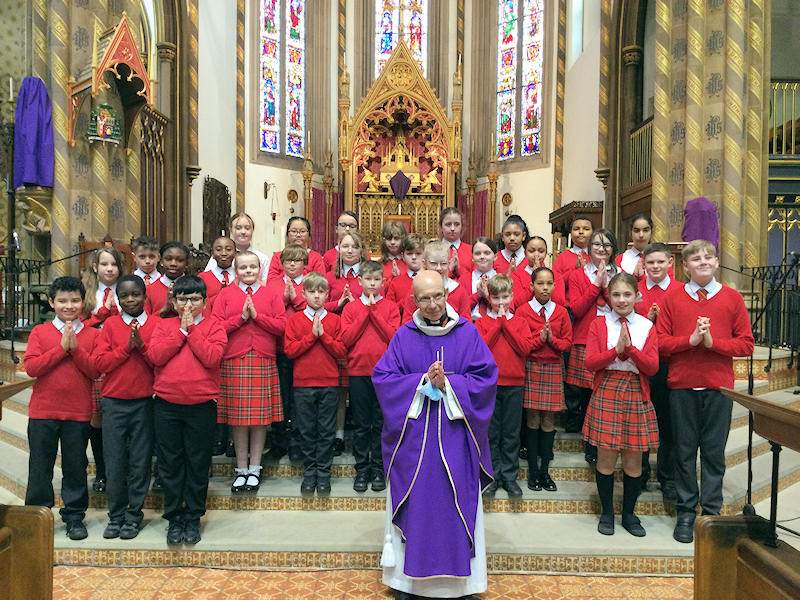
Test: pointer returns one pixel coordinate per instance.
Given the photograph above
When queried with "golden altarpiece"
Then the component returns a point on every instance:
(400, 126)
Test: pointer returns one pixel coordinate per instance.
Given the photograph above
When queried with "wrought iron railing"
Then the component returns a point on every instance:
(784, 118)
(641, 154)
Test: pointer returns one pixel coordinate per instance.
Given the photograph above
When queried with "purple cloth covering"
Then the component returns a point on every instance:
(400, 185)
(434, 505)
(701, 222)
(33, 135)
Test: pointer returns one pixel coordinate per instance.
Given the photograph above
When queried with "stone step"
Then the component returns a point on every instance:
(308, 540)
(281, 493)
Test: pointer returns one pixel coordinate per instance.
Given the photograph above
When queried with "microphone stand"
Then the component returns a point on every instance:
(790, 261)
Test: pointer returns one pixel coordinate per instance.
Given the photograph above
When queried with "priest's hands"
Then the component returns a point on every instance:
(436, 375)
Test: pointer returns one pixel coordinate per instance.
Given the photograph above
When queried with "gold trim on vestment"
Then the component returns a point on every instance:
(419, 463)
(450, 478)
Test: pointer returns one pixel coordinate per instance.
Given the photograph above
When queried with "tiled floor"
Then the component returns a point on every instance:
(96, 583)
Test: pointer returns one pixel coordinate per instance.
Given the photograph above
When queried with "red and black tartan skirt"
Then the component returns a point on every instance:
(577, 373)
(619, 417)
(544, 386)
(344, 378)
(250, 393)
(97, 393)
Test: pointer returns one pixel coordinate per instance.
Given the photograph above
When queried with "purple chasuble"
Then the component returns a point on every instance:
(34, 156)
(436, 467)
(700, 221)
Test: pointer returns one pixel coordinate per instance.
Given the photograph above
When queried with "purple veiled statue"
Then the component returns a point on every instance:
(34, 156)
(400, 185)
(701, 221)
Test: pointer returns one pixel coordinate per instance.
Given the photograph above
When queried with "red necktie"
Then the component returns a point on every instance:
(452, 251)
(623, 322)
(512, 263)
(147, 278)
(702, 294)
(105, 295)
(249, 291)
(225, 278)
(543, 313)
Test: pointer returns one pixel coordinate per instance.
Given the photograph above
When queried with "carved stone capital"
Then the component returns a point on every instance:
(192, 171)
(602, 174)
(632, 55)
(166, 51)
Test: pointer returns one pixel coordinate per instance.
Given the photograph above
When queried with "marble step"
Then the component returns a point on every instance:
(291, 540)
(280, 493)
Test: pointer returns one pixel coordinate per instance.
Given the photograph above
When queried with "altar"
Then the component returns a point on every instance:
(400, 153)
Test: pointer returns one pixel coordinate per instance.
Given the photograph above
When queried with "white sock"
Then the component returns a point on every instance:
(254, 470)
(340, 434)
(241, 471)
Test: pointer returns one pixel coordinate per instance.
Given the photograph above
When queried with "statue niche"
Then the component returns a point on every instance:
(400, 128)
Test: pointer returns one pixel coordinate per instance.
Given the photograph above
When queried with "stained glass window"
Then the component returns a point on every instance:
(283, 64)
(396, 18)
(295, 77)
(520, 58)
(270, 76)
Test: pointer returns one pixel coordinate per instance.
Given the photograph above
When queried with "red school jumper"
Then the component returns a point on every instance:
(584, 299)
(63, 386)
(157, 293)
(698, 366)
(366, 332)
(544, 368)
(400, 288)
(464, 252)
(510, 340)
(128, 373)
(502, 265)
(187, 364)
(655, 294)
(314, 357)
(336, 289)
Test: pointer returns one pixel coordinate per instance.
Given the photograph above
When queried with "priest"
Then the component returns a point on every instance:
(436, 387)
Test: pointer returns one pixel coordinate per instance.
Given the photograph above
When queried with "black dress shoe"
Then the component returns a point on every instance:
(175, 532)
(76, 530)
(535, 481)
(218, 449)
(684, 531)
(338, 446)
(129, 531)
(633, 525)
(490, 491)
(606, 525)
(158, 485)
(378, 482)
(513, 489)
(191, 532)
(323, 487)
(523, 453)
(547, 482)
(590, 454)
(308, 486)
(230, 451)
(361, 482)
(99, 485)
(112, 530)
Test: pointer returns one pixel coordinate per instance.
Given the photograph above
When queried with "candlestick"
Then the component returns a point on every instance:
(10, 88)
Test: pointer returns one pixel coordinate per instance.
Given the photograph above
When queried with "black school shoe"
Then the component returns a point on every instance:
(490, 491)
(76, 530)
(323, 487)
(99, 485)
(684, 529)
(112, 530)
(218, 449)
(175, 532)
(129, 531)
(308, 486)
(361, 481)
(378, 482)
(191, 532)
(513, 489)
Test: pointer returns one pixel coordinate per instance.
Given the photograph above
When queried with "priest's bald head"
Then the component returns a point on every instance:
(429, 295)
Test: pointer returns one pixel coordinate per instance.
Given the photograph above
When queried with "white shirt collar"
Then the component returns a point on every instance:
(253, 287)
(456, 243)
(76, 325)
(298, 280)
(576, 249)
(663, 284)
(519, 255)
(217, 271)
(494, 315)
(311, 313)
(167, 281)
(101, 292)
(141, 319)
(450, 284)
(537, 307)
(411, 273)
(395, 257)
(590, 269)
(712, 288)
(154, 275)
(348, 268)
(629, 259)
(365, 299)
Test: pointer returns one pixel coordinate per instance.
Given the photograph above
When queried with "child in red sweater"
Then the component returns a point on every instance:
(510, 340)
(368, 324)
(59, 356)
(400, 285)
(451, 223)
(622, 351)
(283, 440)
(343, 286)
(186, 352)
(298, 231)
(544, 375)
(146, 257)
(254, 317)
(535, 254)
(174, 260)
(220, 272)
(127, 403)
(701, 327)
(588, 298)
(436, 259)
(392, 236)
(346, 223)
(653, 287)
(484, 254)
(513, 237)
(578, 254)
(313, 340)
